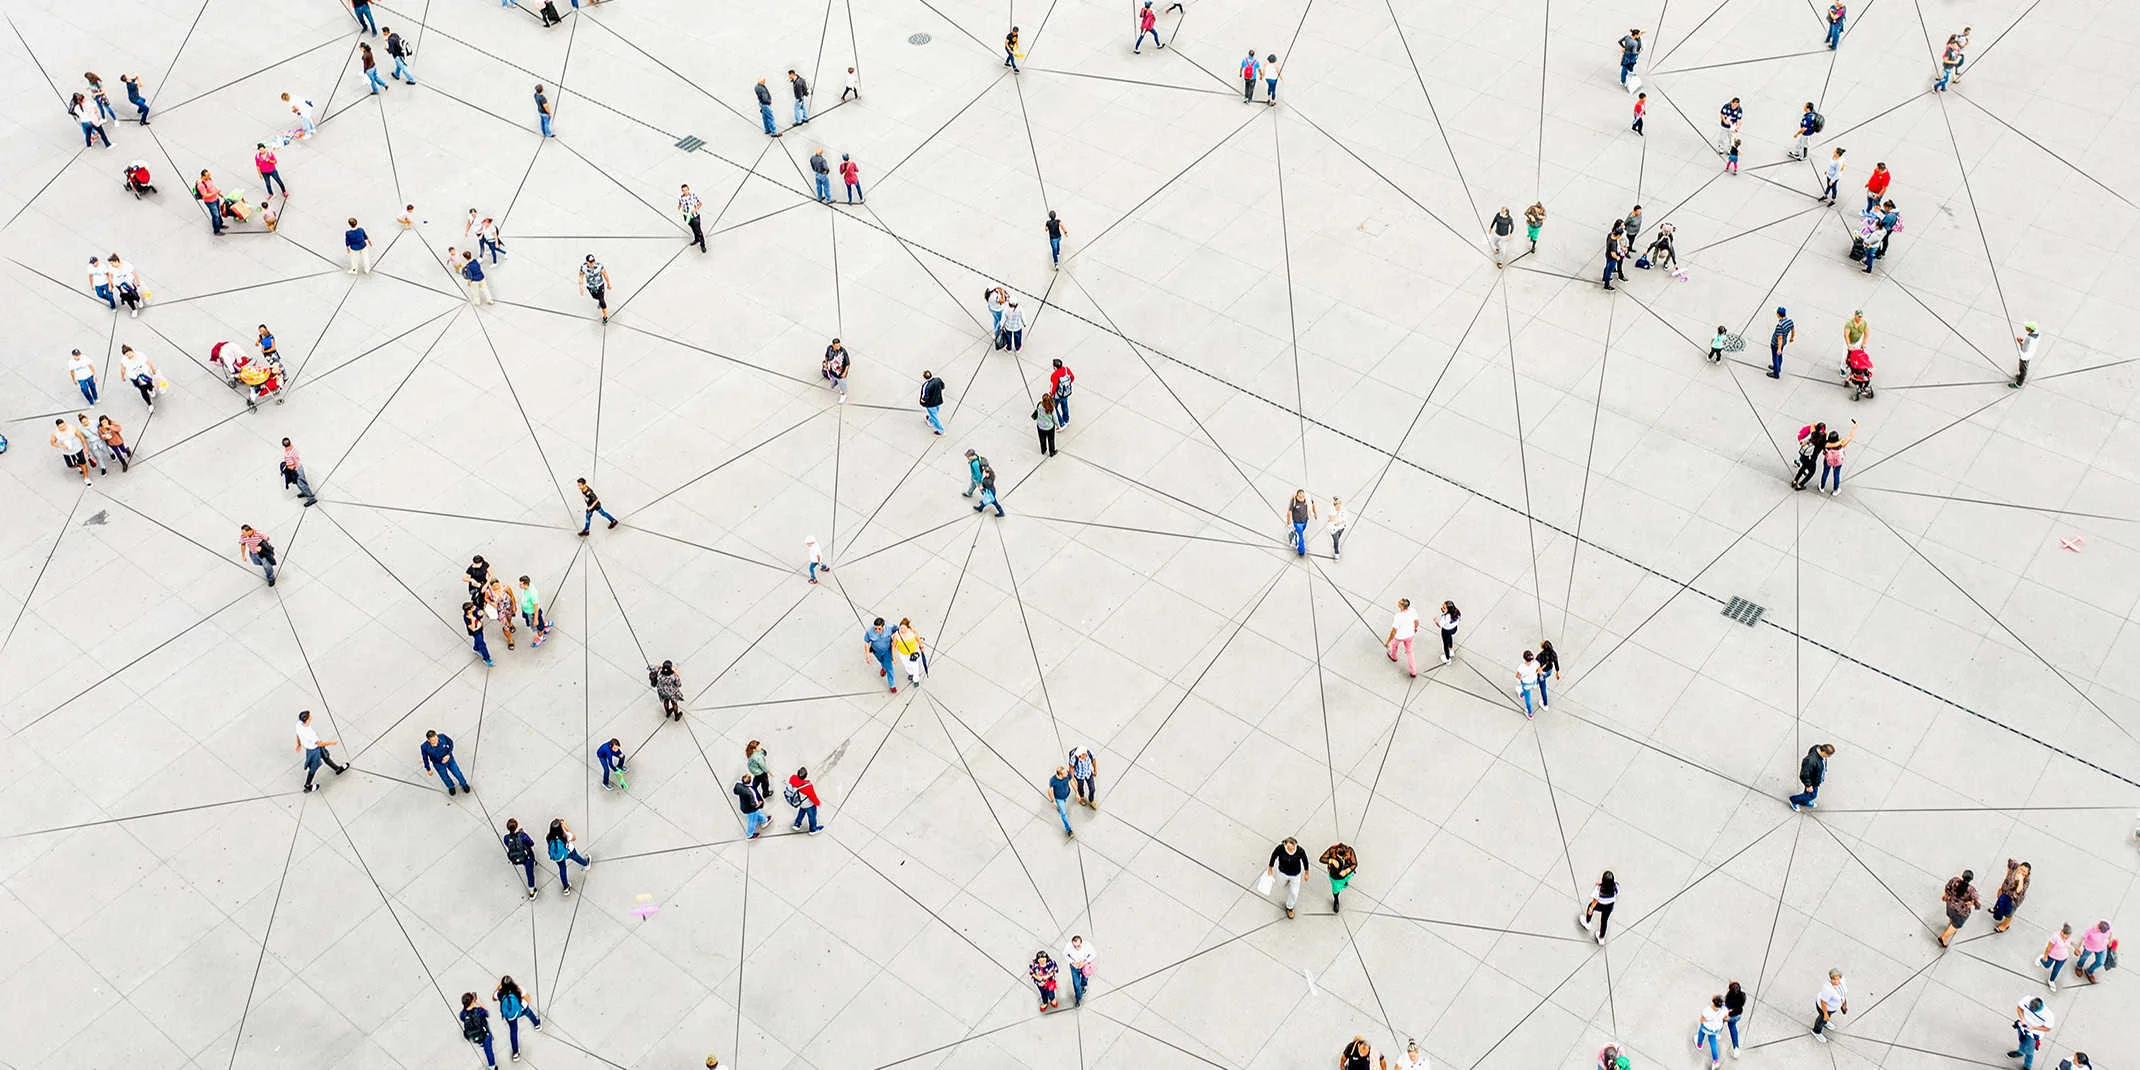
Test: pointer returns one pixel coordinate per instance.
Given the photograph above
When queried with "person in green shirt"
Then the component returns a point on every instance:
(531, 611)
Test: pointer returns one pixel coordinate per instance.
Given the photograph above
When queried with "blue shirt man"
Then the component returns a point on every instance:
(472, 269)
(356, 239)
(437, 751)
(1059, 786)
(1785, 333)
(611, 755)
(878, 639)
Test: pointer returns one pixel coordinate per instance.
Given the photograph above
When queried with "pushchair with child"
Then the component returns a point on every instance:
(258, 379)
(137, 179)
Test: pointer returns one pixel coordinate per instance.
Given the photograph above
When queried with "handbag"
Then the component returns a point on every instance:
(1263, 883)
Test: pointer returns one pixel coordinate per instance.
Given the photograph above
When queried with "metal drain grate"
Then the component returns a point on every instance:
(917, 39)
(1743, 611)
(691, 144)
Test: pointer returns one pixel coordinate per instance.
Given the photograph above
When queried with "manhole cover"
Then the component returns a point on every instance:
(918, 39)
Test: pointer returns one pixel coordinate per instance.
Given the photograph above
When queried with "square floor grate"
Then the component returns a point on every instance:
(691, 144)
(1743, 611)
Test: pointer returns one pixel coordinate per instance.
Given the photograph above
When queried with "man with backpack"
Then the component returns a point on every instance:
(974, 463)
(1809, 124)
(1059, 382)
(475, 1027)
(520, 851)
(1083, 777)
(802, 795)
(401, 52)
(1249, 67)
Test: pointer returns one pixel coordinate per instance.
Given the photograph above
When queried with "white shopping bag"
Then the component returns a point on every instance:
(1263, 883)
(1634, 84)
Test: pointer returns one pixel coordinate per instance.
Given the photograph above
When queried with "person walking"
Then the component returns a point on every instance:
(399, 51)
(1335, 524)
(84, 373)
(302, 108)
(475, 1028)
(1059, 790)
(520, 851)
(1731, 158)
(513, 1006)
(1497, 232)
(499, 604)
(1534, 220)
(988, 490)
(756, 761)
(836, 368)
(1010, 49)
(1808, 125)
(100, 282)
(1812, 772)
(752, 803)
(293, 474)
(2097, 947)
(1960, 899)
(314, 749)
(877, 640)
(252, 544)
(802, 795)
(359, 245)
(821, 172)
(1811, 440)
(100, 453)
(1412, 1059)
(1785, 333)
(1832, 999)
(1297, 511)
(1013, 327)
(1290, 864)
(2025, 349)
(559, 844)
(134, 96)
(1055, 228)
(478, 286)
(1526, 679)
(472, 622)
(853, 89)
(1044, 423)
(1404, 627)
(1630, 51)
(362, 9)
(932, 400)
(594, 282)
(669, 688)
(1831, 460)
(1707, 1030)
(1548, 669)
(912, 653)
(817, 557)
(85, 112)
(851, 177)
(610, 756)
(2056, 951)
(1082, 959)
(438, 760)
(765, 109)
(1728, 119)
(371, 69)
(1642, 108)
(974, 463)
(1250, 66)
(2032, 1024)
(1270, 79)
(801, 89)
(1836, 11)
(1447, 622)
(594, 505)
(1059, 383)
(1084, 777)
(1734, 1009)
(1961, 47)
(1355, 1055)
(1043, 970)
(1950, 59)
(1340, 862)
(485, 232)
(544, 116)
(1147, 24)
(2011, 891)
(1834, 178)
(998, 300)
(1602, 896)
(114, 439)
(1855, 332)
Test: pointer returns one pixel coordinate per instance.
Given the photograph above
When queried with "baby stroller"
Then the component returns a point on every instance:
(258, 380)
(235, 207)
(137, 179)
(1858, 375)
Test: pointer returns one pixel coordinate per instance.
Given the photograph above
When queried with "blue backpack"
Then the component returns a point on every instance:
(558, 850)
(511, 1005)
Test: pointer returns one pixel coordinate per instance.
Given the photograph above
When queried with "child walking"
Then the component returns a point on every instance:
(1642, 107)
(1716, 344)
(1731, 159)
(817, 557)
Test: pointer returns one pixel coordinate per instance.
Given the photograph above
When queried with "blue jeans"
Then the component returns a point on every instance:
(1300, 538)
(1543, 698)
(1835, 470)
(89, 389)
(1732, 1023)
(364, 19)
(1154, 33)
(2082, 965)
(1627, 67)
(141, 105)
(1014, 340)
(2025, 1043)
(1055, 249)
(2054, 965)
(807, 813)
(802, 111)
(754, 821)
(544, 118)
(372, 73)
(589, 523)
(1706, 1035)
(854, 192)
(485, 245)
(512, 1027)
(765, 112)
(988, 498)
(90, 131)
(1062, 409)
(104, 107)
(824, 182)
(1835, 34)
(1077, 985)
(401, 70)
(608, 766)
(450, 771)
(1946, 74)
(490, 1055)
(104, 292)
(891, 674)
(1270, 86)
(1527, 711)
(814, 566)
(1062, 810)
(482, 648)
(265, 568)
(1775, 359)
(994, 313)
(269, 180)
(930, 411)
(1806, 797)
(573, 855)
(1010, 59)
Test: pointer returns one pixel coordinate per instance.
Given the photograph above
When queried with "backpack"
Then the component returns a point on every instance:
(558, 850)
(473, 1028)
(516, 849)
(3, 443)
(510, 1005)
(1820, 122)
(795, 797)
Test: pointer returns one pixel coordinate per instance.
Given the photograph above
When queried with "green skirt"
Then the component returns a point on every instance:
(1337, 884)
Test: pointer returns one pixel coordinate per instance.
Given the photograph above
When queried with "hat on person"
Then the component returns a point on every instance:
(2029, 327)
(1779, 310)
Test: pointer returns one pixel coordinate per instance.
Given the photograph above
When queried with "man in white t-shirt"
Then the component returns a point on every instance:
(2026, 345)
(1412, 1059)
(1527, 678)
(1403, 627)
(1081, 958)
(2032, 1024)
(73, 452)
(1833, 999)
(315, 749)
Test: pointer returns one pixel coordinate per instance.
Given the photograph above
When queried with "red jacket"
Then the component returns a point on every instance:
(809, 790)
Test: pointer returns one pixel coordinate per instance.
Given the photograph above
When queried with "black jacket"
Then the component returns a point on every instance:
(932, 392)
(747, 796)
(394, 47)
(765, 96)
(802, 88)
(818, 164)
(1812, 769)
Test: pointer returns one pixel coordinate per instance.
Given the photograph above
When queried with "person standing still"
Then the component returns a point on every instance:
(1807, 120)
(2012, 891)
(1831, 460)
(1833, 999)
(293, 474)
(821, 173)
(1078, 954)
(1059, 790)
(1630, 51)
(1013, 327)
(1290, 864)
(1785, 333)
(1876, 185)
(1044, 423)
(687, 205)
(801, 90)
(437, 753)
(1056, 230)
(610, 756)
(472, 622)
(1960, 899)
(2025, 348)
(1836, 11)
(1059, 380)
(1084, 776)
(851, 177)
(1548, 669)
(1498, 232)
(932, 399)
(669, 688)
(1728, 119)
(359, 245)
(314, 749)
(1250, 66)
(543, 114)
(853, 88)
(765, 109)
(594, 505)
(1834, 177)
(1812, 772)
(478, 286)
(1335, 524)
(1340, 862)
(1613, 255)
(1404, 627)
(84, 373)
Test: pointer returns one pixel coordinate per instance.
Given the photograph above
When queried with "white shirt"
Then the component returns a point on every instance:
(131, 365)
(1598, 891)
(81, 366)
(2028, 345)
(815, 556)
(1713, 1019)
(2038, 1022)
(307, 736)
(1337, 524)
(1445, 622)
(1079, 956)
(1013, 320)
(69, 441)
(122, 274)
(96, 273)
(854, 81)
(1410, 1060)
(1527, 673)
(302, 107)
(1833, 995)
(1406, 621)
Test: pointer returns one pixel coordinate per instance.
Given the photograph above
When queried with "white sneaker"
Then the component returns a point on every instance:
(1735, 1051)
(1822, 1037)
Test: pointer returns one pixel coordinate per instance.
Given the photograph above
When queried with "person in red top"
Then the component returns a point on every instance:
(1876, 186)
(1147, 23)
(264, 160)
(1059, 382)
(852, 175)
(800, 788)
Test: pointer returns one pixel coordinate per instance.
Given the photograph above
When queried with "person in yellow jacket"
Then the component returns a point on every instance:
(906, 643)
